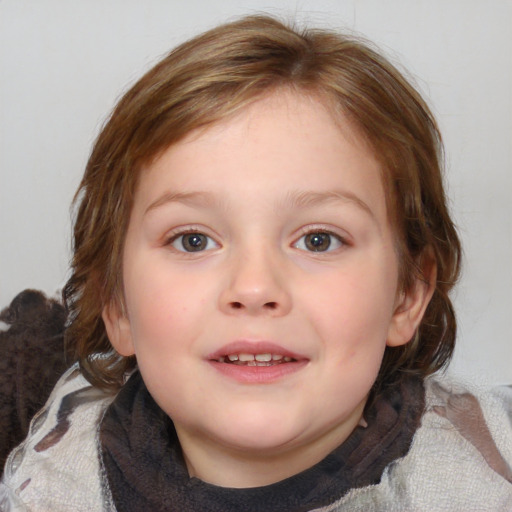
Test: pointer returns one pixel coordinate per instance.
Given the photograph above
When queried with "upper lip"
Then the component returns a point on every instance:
(254, 347)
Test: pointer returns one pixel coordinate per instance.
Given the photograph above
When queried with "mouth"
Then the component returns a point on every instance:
(265, 359)
(256, 362)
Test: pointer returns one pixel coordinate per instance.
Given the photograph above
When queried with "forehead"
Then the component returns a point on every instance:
(285, 142)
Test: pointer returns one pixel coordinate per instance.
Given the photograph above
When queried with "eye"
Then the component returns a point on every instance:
(192, 242)
(319, 241)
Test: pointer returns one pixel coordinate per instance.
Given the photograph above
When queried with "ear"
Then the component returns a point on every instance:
(410, 307)
(118, 329)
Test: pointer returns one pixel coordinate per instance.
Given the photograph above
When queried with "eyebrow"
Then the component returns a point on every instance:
(298, 199)
(308, 199)
(191, 198)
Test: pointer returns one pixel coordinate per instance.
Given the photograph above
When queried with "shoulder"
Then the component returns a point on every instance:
(482, 416)
(460, 457)
(57, 467)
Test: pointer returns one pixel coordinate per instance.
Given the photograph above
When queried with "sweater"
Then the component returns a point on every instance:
(432, 446)
(32, 358)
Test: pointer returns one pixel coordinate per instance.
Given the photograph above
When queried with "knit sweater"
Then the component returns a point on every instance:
(437, 447)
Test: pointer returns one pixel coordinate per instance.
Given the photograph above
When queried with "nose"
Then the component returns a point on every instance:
(256, 285)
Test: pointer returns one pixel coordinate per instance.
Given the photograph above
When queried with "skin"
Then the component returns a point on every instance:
(256, 185)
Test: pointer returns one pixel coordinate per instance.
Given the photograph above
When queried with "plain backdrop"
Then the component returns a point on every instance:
(63, 64)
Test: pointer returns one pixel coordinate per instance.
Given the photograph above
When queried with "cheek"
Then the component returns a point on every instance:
(351, 313)
(353, 299)
(165, 308)
(156, 318)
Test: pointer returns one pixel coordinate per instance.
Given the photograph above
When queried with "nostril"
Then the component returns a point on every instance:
(267, 305)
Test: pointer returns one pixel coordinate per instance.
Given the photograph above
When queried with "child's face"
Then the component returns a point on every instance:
(265, 235)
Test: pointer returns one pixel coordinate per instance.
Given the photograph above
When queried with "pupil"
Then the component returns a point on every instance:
(195, 242)
(318, 242)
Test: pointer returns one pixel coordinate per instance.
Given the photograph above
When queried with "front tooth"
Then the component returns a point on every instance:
(233, 357)
(263, 357)
(245, 357)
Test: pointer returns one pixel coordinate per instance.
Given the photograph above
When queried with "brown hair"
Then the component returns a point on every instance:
(215, 75)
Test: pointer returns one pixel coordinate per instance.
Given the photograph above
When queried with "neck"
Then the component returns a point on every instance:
(228, 466)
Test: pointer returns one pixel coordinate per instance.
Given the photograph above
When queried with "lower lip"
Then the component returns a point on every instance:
(258, 374)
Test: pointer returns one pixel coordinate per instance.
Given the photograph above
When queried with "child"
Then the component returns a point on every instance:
(262, 261)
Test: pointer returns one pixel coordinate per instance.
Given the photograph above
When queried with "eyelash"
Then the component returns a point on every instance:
(321, 231)
(339, 240)
(176, 235)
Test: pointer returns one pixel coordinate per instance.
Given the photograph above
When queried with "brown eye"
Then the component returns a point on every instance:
(193, 242)
(319, 241)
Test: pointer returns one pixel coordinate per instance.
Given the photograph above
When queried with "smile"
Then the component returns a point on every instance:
(256, 362)
(266, 359)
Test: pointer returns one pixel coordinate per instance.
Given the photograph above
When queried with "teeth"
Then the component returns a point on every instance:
(255, 359)
(263, 357)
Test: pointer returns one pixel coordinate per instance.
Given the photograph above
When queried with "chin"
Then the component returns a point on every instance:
(258, 433)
